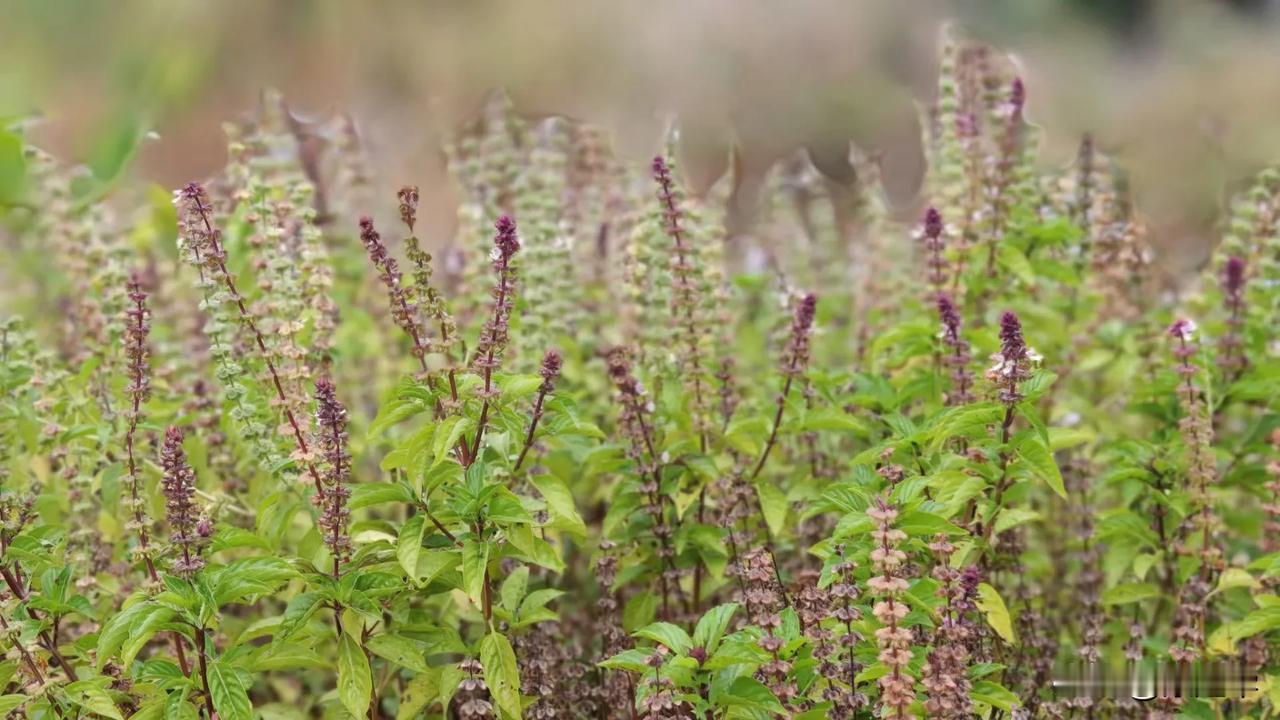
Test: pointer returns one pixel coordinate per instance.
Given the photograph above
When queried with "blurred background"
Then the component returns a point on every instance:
(1182, 91)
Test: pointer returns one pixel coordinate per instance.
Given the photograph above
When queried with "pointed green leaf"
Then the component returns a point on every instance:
(355, 685)
(501, 673)
(230, 698)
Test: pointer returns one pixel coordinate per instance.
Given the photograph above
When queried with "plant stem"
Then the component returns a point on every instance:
(204, 672)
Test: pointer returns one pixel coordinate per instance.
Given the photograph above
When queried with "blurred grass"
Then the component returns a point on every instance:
(1175, 88)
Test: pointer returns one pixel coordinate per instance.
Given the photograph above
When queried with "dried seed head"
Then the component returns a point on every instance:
(409, 205)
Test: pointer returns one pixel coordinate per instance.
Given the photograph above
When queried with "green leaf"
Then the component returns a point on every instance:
(400, 650)
(419, 693)
(230, 697)
(1259, 621)
(752, 694)
(922, 524)
(296, 614)
(747, 435)
(393, 413)
(1012, 259)
(116, 631)
(355, 685)
(90, 695)
(141, 632)
(632, 660)
(250, 576)
(1040, 462)
(712, 625)
(1129, 593)
(1013, 517)
(560, 505)
(1235, 578)
(539, 599)
(665, 633)
(997, 614)
(773, 503)
(369, 494)
(997, 696)
(448, 433)
(409, 544)
(475, 558)
(533, 548)
(13, 169)
(9, 703)
(966, 421)
(501, 673)
(514, 588)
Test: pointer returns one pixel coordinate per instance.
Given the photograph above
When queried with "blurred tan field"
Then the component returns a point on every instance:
(1180, 91)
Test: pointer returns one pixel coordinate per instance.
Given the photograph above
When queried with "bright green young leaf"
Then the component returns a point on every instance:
(712, 625)
(665, 633)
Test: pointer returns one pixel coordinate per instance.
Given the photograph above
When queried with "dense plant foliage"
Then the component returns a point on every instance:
(600, 459)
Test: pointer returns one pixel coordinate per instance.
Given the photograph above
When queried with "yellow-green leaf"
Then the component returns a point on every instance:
(997, 614)
(355, 685)
(501, 674)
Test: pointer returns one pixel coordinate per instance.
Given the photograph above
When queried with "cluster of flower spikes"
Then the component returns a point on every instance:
(636, 424)
(403, 311)
(552, 307)
(201, 247)
(945, 677)
(495, 333)
(189, 530)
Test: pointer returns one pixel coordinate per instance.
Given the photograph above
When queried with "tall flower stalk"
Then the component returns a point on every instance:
(1011, 367)
(137, 352)
(1232, 358)
(1002, 170)
(637, 426)
(494, 335)
(189, 530)
(946, 680)
(897, 691)
(205, 244)
(403, 312)
(795, 362)
(935, 246)
(1197, 433)
(685, 300)
(957, 356)
(550, 372)
(331, 438)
